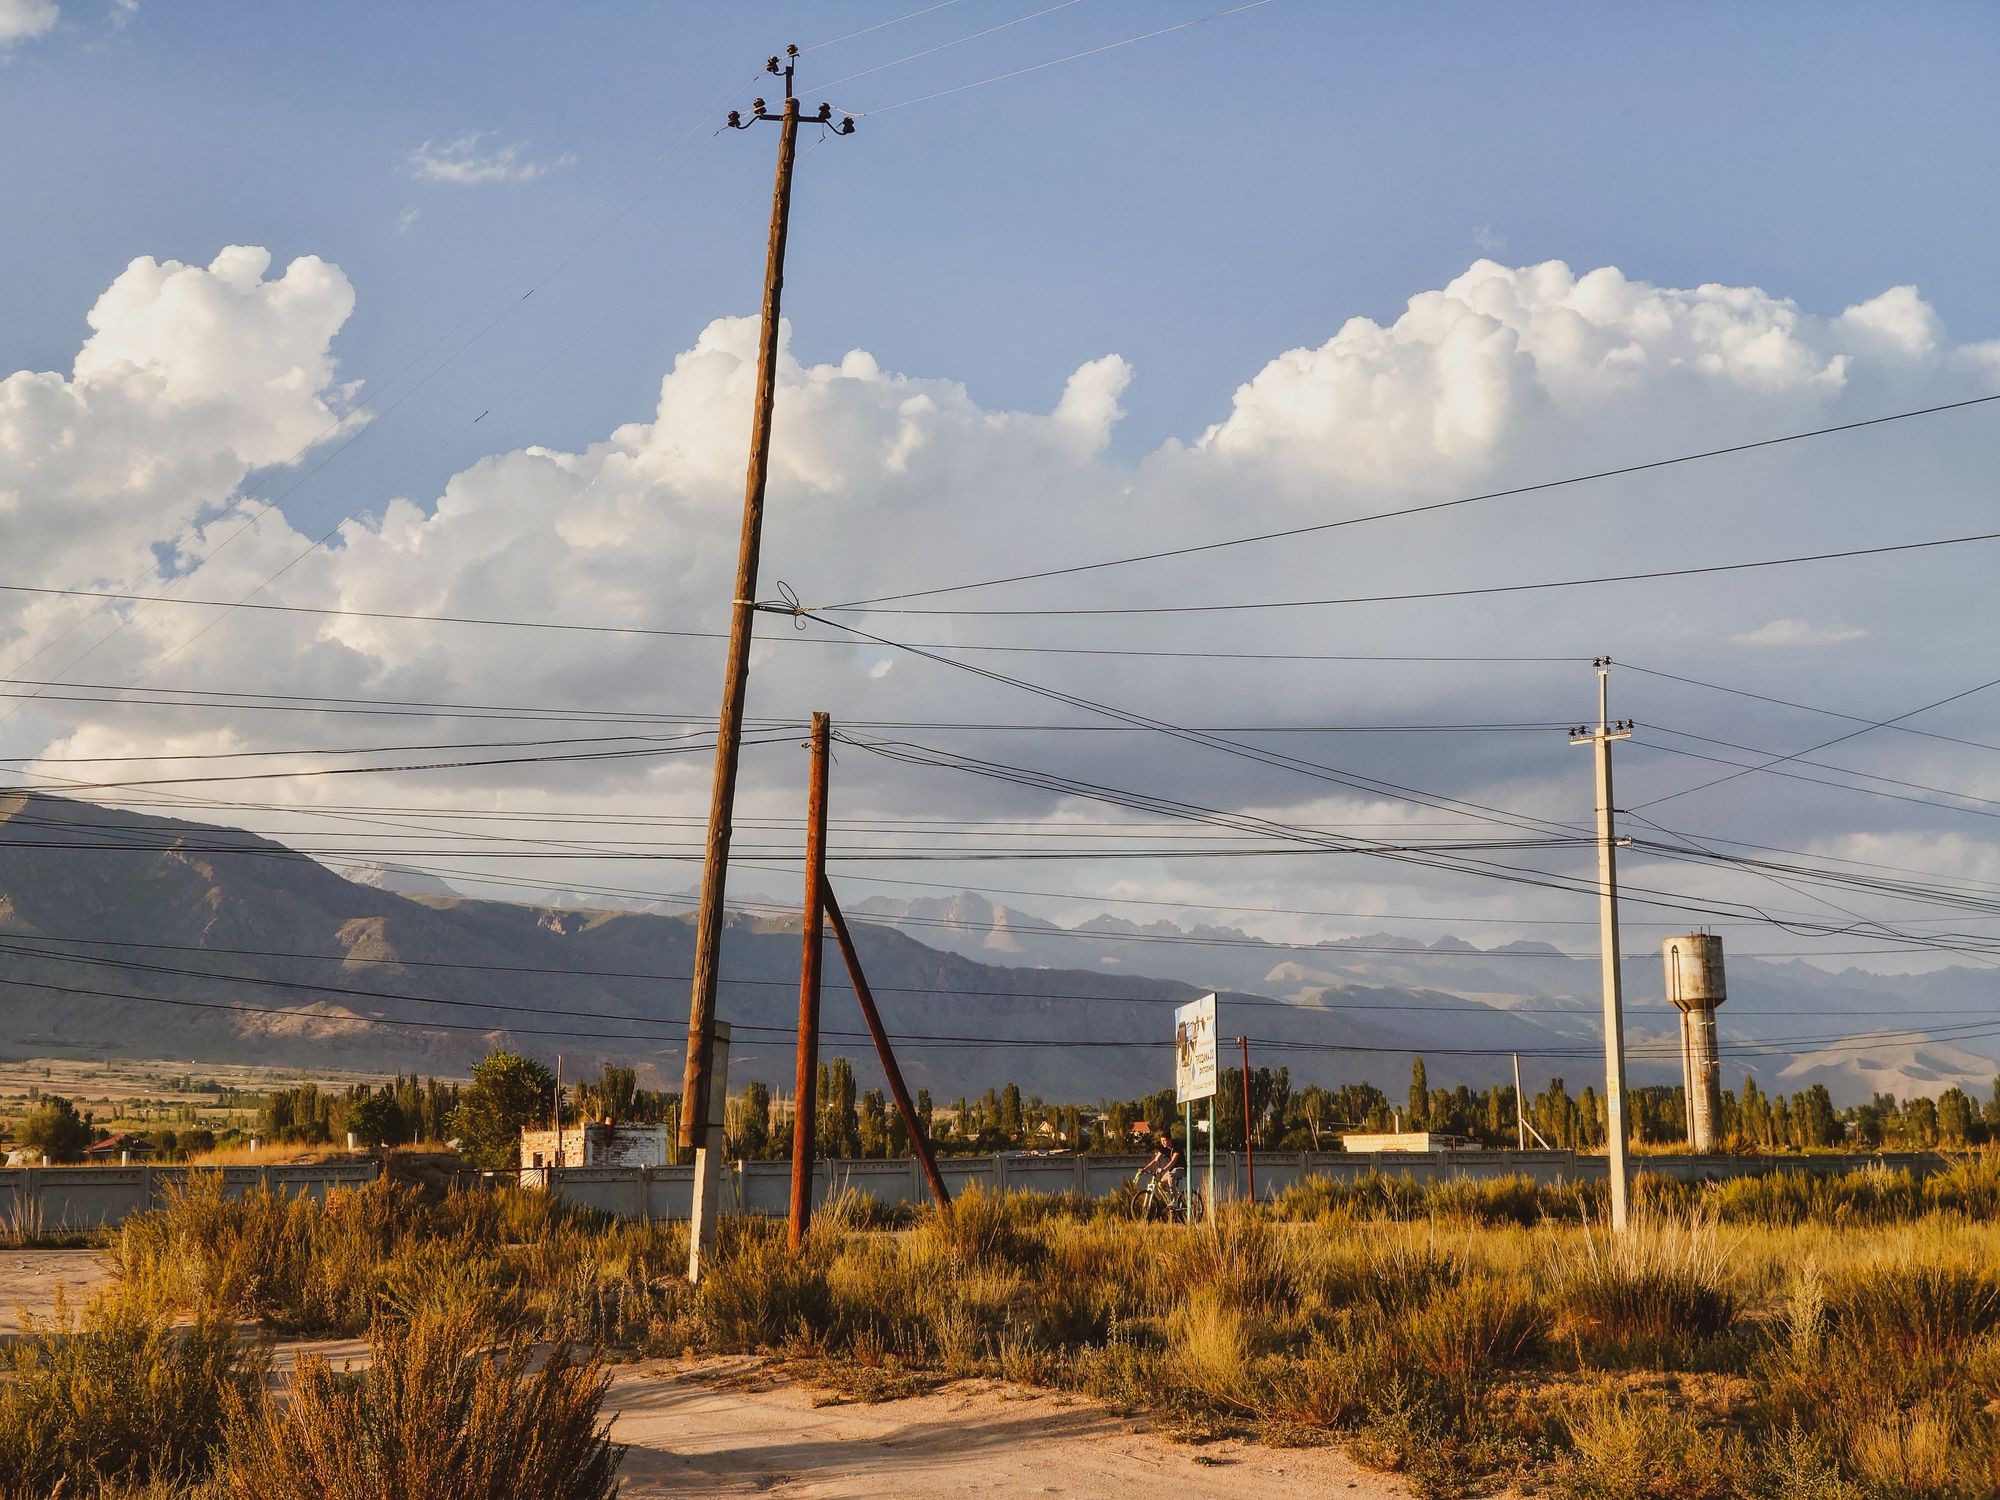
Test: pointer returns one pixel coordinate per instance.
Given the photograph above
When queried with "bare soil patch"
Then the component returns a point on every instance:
(740, 1427)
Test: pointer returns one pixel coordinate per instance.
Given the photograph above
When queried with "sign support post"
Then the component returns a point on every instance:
(1187, 1135)
(1208, 1206)
(1195, 1077)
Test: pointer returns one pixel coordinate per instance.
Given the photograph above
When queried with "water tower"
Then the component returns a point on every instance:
(1695, 986)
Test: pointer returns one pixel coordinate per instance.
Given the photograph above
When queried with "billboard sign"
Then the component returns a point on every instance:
(1194, 1050)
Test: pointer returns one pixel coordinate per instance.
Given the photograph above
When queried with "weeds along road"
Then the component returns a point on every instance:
(734, 1426)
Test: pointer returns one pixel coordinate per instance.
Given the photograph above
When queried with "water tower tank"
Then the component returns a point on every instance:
(1695, 986)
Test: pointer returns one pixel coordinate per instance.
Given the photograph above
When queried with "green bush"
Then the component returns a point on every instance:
(115, 1396)
(437, 1413)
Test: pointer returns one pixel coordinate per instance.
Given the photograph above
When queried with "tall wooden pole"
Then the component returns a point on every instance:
(736, 675)
(806, 1082)
(918, 1141)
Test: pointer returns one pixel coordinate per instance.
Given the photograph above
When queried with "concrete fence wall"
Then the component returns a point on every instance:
(764, 1187)
(54, 1200)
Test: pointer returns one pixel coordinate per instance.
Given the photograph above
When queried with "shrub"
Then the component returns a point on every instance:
(1463, 1331)
(1661, 1287)
(982, 1227)
(1915, 1313)
(437, 1413)
(115, 1396)
(757, 1293)
(1625, 1449)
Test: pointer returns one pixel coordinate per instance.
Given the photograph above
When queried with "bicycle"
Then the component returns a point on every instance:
(1160, 1197)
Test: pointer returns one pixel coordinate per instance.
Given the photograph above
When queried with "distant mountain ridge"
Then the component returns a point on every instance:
(135, 935)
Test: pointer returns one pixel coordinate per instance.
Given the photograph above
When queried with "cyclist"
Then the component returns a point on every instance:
(1164, 1167)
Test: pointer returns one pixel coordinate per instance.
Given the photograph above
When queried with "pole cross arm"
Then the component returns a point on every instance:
(759, 110)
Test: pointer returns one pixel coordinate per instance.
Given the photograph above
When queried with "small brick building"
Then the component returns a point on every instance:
(605, 1144)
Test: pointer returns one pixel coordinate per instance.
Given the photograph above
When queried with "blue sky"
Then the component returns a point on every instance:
(1194, 203)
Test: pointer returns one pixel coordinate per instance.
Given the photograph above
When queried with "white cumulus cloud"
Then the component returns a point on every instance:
(21, 20)
(885, 481)
(462, 160)
(1782, 633)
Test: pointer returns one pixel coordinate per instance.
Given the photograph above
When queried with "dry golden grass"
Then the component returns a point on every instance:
(1807, 1358)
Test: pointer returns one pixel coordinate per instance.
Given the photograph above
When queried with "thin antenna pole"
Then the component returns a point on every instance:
(806, 1081)
(1607, 943)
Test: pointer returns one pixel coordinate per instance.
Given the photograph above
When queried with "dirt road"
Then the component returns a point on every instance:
(30, 1280)
(728, 1427)
(720, 1427)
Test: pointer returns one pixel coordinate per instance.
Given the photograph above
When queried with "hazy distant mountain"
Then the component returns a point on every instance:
(142, 936)
(400, 879)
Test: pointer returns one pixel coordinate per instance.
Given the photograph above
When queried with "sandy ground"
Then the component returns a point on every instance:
(728, 1427)
(30, 1280)
(735, 1427)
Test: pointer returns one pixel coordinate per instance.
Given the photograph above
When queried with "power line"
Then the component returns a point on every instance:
(981, 83)
(1968, 1031)
(878, 26)
(954, 42)
(1831, 713)
(1825, 744)
(1244, 606)
(1413, 510)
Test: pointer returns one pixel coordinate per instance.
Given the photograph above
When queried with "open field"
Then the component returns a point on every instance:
(141, 1094)
(1770, 1337)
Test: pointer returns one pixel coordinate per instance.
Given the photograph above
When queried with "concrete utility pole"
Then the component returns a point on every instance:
(806, 1082)
(1607, 939)
(1520, 1109)
(695, 1103)
(1249, 1150)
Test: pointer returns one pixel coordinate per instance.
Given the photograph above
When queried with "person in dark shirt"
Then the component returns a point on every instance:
(1165, 1163)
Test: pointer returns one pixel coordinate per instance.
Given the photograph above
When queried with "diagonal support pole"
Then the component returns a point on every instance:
(866, 996)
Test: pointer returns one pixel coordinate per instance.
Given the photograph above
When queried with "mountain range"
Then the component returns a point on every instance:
(127, 934)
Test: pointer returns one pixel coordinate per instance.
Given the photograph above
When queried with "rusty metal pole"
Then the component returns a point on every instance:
(806, 1112)
(1249, 1150)
(908, 1111)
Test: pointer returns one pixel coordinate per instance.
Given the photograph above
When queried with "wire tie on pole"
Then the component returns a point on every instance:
(791, 597)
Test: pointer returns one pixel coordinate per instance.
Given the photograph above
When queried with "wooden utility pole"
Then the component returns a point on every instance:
(806, 1083)
(1520, 1109)
(695, 1111)
(919, 1142)
(1607, 940)
(1249, 1149)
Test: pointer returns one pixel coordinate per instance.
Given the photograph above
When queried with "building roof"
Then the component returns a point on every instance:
(124, 1141)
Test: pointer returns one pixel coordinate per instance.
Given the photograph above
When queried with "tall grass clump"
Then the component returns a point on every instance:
(1920, 1312)
(297, 1264)
(115, 1396)
(443, 1410)
(1624, 1448)
(758, 1293)
(1651, 1294)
